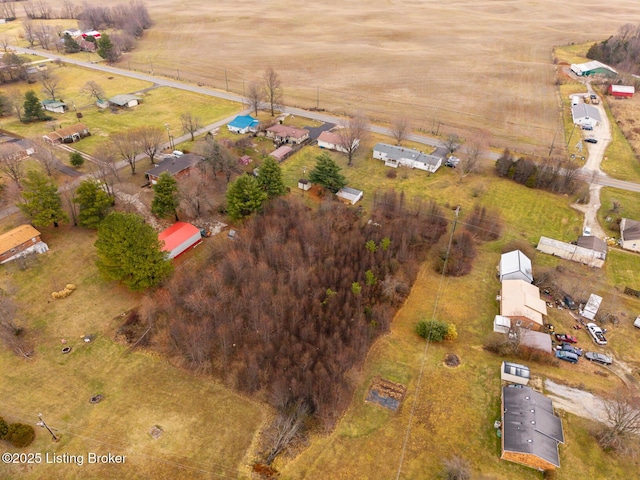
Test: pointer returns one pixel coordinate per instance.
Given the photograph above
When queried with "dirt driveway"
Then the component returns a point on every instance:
(578, 402)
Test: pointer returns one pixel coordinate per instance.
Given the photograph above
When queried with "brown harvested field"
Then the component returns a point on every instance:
(484, 64)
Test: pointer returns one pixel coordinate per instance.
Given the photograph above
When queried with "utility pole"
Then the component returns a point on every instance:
(43, 424)
(178, 73)
(553, 142)
(318, 98)
(226, 80)
(150, 64)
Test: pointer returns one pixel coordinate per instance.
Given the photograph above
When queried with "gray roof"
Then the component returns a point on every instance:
(174, 164)
(122, 100)
(583, 110)
(529, 424)
(592, 243)
(631, 230)
(399, 153)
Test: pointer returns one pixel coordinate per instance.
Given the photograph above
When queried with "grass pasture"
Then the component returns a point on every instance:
(160, 106)
(208, 430)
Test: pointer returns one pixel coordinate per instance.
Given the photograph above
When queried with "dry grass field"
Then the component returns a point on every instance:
(208, 429)
(481, 65)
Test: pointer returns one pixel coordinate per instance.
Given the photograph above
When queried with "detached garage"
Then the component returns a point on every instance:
(179, 238)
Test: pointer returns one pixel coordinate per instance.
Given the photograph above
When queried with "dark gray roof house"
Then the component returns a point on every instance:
(531, 432)
(630, 234)
(592, 243)
(177, 166)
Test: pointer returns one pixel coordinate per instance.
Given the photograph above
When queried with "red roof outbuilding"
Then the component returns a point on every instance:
(179, 238)
(622, 90)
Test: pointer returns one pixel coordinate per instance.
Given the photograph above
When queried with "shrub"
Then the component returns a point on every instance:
(433, 330)
(20, 435)
(4, 428)
(392, 174)
(452, 332)
(76, 159)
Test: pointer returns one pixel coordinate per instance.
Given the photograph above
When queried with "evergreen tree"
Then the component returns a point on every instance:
(94, 203)
(41, 201)
(33, 108)
(76, 159)
(165, 200)
(327, 173)
(70, 45)
(129, 252)
(244, 196)
(270, 178)
(106, 49)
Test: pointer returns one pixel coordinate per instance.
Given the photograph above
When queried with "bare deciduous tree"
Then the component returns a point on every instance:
(49, 84)
(68, 195)
(194, 194)
(29, 30)
(355, 131)
(472, 152)
(623, 415)
(127, 145)
(12, 166)
(45, 155)
(452, 143)
(150, 140)
(68, 10)
(92, 89)
(4, 42)
(45, 34)
(8, 10)
(288, 426)
(273, 90)
(255, 95)
(105, 170)
(400, 129)
(16, 102)
(190, 124)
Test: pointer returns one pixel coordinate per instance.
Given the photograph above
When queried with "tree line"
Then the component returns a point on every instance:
(621, 50)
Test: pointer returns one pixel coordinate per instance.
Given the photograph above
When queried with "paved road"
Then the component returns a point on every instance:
(598, 179)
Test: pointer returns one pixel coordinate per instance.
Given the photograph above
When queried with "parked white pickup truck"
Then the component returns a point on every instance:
(596, 333)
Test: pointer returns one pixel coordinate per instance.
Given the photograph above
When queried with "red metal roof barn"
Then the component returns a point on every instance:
(179, 238)
(622, 90)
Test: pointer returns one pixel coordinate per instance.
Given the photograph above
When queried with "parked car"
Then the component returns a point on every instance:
(570, 348)
(452, 162)
(568, 301)
(600, 358)
(591, 140)
(587, 127)
(564, 338)
(597, 333)
(567, 356)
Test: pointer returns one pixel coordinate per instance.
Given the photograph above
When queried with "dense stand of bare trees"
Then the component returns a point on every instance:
(295, 302)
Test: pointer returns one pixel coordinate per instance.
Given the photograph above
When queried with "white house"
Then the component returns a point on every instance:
(54, 106)
(585, 114)
(243, 124)
(351, 195)
(394, 156)
(515, 265)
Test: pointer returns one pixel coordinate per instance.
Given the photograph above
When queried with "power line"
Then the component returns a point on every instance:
(426, 348)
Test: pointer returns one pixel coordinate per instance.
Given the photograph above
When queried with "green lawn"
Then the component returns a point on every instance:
(575, 53)
(628, 205)
(160, 106)
(208, 429)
